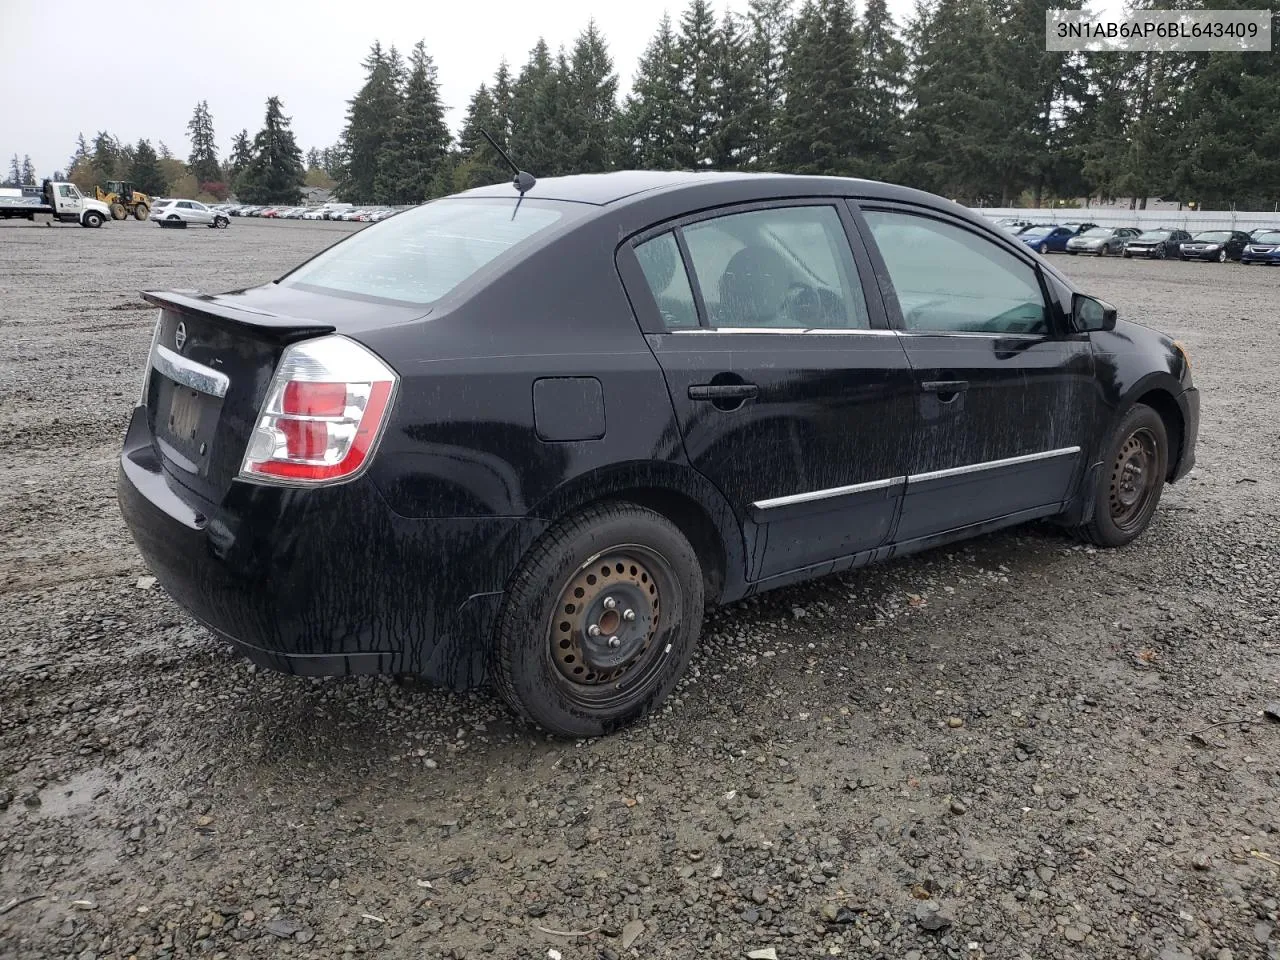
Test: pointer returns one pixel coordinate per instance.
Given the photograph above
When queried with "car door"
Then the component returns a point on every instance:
(200, 213)
(791, 394)
(69, 200)
(1006, 396)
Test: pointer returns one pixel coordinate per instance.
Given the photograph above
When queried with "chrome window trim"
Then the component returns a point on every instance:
(189, 373)
(794, 498)
(813, 495)
(807, 331)
(992, 465)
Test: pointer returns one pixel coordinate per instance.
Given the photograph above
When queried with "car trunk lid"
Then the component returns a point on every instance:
(211, 365)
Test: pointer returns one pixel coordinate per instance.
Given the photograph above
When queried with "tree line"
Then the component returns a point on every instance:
(962, 100)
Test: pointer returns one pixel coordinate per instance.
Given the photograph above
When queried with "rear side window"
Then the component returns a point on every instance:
(422, 254)
(789, 267)
(664, 272)
(948, 279)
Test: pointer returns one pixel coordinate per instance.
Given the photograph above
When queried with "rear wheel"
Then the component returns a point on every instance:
(141, 212)
(118, 212)
(1135, 464)
(1044, 248)
(599, 621)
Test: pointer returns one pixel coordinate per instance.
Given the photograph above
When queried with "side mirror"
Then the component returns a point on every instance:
(1089, 313)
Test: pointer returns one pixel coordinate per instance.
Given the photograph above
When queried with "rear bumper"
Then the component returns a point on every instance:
(1189, 406)
(326, 581)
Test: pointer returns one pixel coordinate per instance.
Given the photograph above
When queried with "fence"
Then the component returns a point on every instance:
(1190, 220)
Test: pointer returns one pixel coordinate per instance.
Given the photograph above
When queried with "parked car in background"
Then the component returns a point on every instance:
(181, 213)
(1078, 227)
(1013, 224)
(1220, 245)
(382, 215)
(1264, 248)
(1101, 241)
(1046, 239)
(1158, 244)
(335, 210)
(315, 213)
(304, 477)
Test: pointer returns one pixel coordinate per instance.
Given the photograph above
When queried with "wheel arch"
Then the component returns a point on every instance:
(679, 493)
(1159, 391)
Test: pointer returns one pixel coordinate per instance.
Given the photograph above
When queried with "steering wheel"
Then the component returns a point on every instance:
(801, 306)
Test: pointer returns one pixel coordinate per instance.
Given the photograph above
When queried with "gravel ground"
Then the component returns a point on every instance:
(980, 752)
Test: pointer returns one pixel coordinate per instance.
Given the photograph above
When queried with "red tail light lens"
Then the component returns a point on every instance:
(323, 414)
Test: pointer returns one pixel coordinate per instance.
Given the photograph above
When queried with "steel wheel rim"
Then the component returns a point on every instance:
(1134, 479)
(584, 664)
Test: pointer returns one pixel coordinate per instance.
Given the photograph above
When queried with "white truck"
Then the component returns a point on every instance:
(61, 200)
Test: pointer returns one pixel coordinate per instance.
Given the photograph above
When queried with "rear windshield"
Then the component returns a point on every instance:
(422, 254)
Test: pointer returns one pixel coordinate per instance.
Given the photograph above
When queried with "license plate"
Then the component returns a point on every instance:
(184, 415)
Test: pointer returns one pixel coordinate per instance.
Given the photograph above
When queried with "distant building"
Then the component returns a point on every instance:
(316, 195)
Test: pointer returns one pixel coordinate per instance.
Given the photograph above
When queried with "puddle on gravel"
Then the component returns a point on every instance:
(76, 796)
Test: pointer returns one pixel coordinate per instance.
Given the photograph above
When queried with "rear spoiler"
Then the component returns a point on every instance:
(273, 326)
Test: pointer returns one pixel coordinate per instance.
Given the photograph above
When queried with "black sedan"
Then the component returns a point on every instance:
(1219, 245)
(1157, 244)
(529, 437)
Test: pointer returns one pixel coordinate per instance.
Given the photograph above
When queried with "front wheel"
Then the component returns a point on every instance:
(118, 211)
(1044, 248)
(1126, 255)
(141, 212)
(1162, 253)
(93, 219)
(1134, 466)
(599, 621)
(220, 223)
(1222, 256)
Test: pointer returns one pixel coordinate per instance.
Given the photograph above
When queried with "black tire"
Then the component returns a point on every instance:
(1222, 256)
(548, 666)
(1044, 249)
(93, 219)
(1163, 253)
(220, 223)
(1126, 254)
(1120, 512)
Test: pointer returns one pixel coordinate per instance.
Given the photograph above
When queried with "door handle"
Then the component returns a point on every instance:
(723, 391)
(947, 390)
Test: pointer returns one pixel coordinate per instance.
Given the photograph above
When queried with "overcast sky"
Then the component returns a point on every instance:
(138, 67)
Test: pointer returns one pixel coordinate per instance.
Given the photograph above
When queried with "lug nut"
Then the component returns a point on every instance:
(628, 614)
(593, 630)
(610, 603)
(614, 643)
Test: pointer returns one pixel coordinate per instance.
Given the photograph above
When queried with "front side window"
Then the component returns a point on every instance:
(422, 254)
(789, 268)
(668, 282)
(949, 279)
(65, 191)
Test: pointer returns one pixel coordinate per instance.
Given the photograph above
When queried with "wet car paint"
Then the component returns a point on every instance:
(403, 569)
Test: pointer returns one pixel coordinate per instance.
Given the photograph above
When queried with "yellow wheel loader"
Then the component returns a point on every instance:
(124, 201)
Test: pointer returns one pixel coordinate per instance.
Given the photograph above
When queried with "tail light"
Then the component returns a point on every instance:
(323, 414)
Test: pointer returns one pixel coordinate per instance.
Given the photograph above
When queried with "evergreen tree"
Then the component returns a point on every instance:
(241, 154)
(274, 174)
(591, 105)
(146, 173)
(501, 92)
(954, 129)
(476, 164)
(730, 146)
(203, 160)
(880, 107)
(651, 114)
(535, 114)
(164, 152)
(15, 170)
(313, 159)
(28, 171)
(410, 162)
(371, 118)
(81, 154)
(819, 131)
(770, 22)
(107, 156)
(696, 105)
